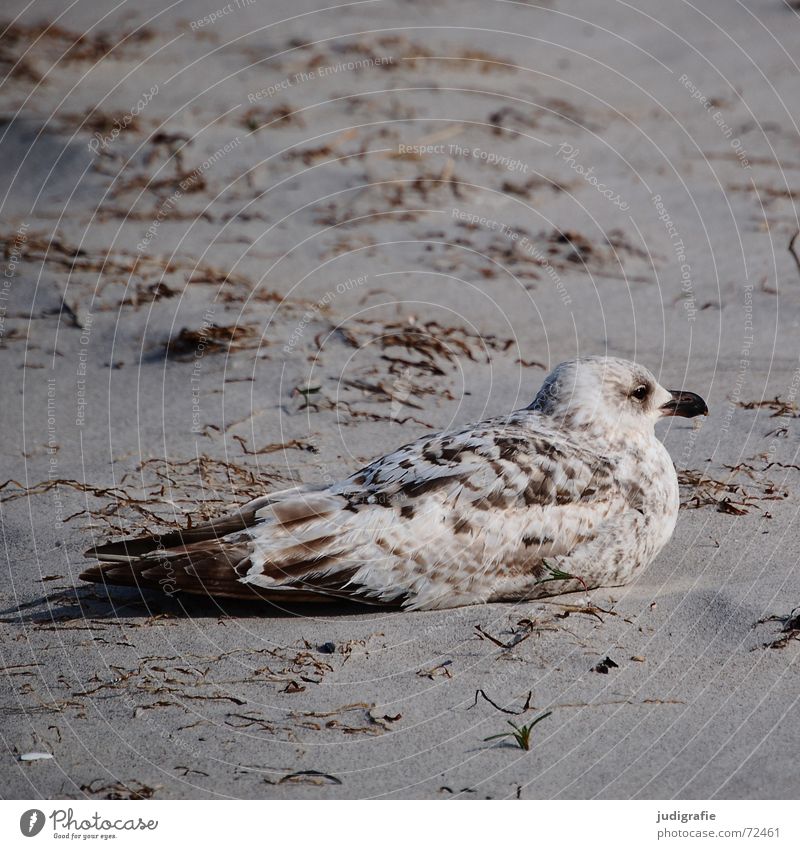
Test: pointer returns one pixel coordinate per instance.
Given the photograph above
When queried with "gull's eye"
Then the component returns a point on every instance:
(640, 393)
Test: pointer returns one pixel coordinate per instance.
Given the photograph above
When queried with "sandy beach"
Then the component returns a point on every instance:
(262, 244)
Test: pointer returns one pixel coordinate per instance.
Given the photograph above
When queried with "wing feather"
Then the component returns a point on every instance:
(433, 517)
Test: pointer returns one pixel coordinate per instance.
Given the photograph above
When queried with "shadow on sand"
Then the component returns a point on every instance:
(92, 602)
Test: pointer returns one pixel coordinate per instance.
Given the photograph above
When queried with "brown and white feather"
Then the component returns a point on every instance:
(478, 514)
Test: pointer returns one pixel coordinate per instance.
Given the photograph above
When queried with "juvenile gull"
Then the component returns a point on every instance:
(574, 491)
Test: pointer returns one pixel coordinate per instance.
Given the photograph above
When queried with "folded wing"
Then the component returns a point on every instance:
(439, 521)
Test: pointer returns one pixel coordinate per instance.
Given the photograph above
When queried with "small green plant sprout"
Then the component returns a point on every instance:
(306, 390)
(556, 574)
(520, 733)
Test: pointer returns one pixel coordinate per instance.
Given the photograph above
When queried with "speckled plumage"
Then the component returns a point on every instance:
(574, 491)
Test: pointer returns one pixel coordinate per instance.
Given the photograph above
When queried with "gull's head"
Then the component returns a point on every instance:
(612, 396)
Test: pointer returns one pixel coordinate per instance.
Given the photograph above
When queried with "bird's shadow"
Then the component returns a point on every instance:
(94, 602)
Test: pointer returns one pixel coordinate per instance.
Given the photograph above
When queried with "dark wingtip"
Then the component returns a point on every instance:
(121, 574)
(123, 548)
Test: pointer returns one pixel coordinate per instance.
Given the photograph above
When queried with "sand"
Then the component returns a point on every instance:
(504, 186)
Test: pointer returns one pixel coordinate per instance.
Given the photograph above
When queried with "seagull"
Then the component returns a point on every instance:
(570, 493)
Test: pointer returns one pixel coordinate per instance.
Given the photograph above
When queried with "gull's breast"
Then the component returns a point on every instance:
(660, 497)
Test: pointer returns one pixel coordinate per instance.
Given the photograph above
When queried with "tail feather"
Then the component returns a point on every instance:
(127, 550)
(298, 549)
(221, 584)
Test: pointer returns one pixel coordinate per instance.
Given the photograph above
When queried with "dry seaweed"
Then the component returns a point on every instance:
(399, 49)
(282, 115)
(118, 790)
(119, 267)
(385, 392)
(272, 447)
(379, 196)
(214, 339)
(357, 718)
(789, 632)
(21, 41)
(730, 496)
(431, 340)
(776, 404)
(162, 492)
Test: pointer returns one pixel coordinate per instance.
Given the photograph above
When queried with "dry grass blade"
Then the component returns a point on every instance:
(310, 776)
(789, 632)
(793, 250)
(526, 707)
(272, 447)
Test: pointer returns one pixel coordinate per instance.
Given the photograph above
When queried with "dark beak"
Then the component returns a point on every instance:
(685, 404)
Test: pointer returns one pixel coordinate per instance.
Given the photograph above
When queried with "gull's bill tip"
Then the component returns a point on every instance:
(686, 404)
